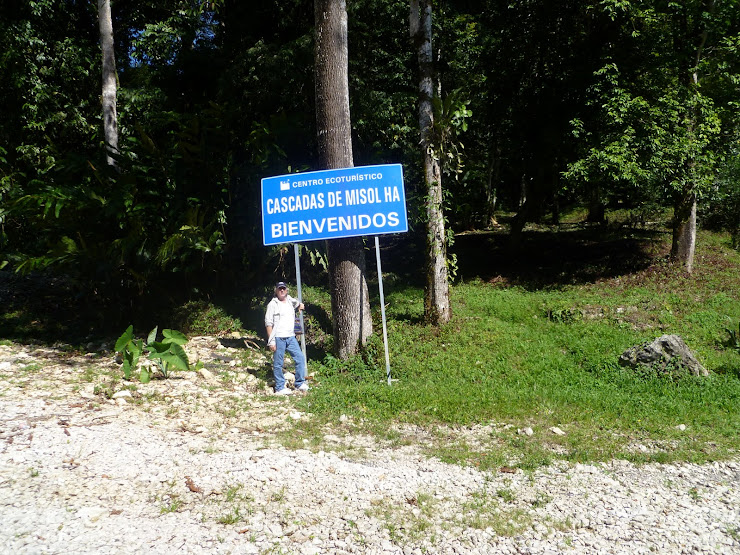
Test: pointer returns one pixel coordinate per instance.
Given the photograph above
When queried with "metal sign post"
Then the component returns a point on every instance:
(300, 300)
(382, 310)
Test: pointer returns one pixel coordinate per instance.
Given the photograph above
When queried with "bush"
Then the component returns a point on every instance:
(722, 211)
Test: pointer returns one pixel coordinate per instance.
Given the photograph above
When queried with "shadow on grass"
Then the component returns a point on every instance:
(48, 309)
(550, 259)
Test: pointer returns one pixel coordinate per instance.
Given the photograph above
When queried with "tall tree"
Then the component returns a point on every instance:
(664, 107)
(695, 26)
(349, 292)
(437, 292)
(110, 115)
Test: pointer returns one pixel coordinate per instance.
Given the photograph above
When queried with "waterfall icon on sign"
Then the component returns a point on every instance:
(285, 185)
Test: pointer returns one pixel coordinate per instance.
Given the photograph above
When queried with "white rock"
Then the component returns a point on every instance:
(557, 431)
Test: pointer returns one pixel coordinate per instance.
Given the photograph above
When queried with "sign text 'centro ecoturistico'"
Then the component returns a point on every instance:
(329, 204)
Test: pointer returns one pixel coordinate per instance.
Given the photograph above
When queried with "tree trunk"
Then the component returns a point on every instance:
(523, 188)
(596, 209)
(684, 216)
(684, 231)
(110, 115)
(437, 293)
(516, 226)
(349, 294)
(493, 176)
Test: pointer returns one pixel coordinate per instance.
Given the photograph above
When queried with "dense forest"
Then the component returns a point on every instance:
(538, 107)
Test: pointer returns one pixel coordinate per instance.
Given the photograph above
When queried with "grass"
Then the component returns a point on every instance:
(239, 504)
(540, 356)
(483, 511)
(172, 506)
(408, 522)
(533, 343)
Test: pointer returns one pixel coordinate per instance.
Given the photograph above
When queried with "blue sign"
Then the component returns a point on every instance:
(330, 204)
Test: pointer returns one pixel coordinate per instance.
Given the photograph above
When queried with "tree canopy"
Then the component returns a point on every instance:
(549, 104)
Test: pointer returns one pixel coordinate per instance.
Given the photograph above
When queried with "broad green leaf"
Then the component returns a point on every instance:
(152, 337)
(157, 348)
(176, 356)
(174, 336)
(127, 369)
(127, 336)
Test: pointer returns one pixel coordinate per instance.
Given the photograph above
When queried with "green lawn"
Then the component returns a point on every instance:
(518, 357)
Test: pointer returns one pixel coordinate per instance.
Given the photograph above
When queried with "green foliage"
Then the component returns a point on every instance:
(317, 256)
(123, 232)
(214, 95)
(369, 364)
(168, 354)
(722, 208)
(207, 108)
(131, 349)
(450, 121)
(660, 130)
(564, 315)
(733, 340)
(205, 318)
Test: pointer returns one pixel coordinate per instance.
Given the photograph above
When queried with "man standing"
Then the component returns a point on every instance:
(279, 323)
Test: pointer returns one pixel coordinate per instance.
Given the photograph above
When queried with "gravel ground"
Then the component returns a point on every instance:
(174, 468)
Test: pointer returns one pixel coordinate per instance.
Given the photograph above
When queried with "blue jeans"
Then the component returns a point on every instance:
(289, 344)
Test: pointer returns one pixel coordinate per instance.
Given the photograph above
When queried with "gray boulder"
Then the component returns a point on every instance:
(668, 354)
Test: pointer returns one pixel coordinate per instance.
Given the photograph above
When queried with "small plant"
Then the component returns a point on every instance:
(505, 494)
(232, 491)
(89, 374)
(232, 517)
(240, 505)
(540, 500)
(172, 507)
(106, 389)
(130, 349)
(694, 494)
(734, 533)
(167, 354)
(278, 496)
(733, 341)
(564, 315)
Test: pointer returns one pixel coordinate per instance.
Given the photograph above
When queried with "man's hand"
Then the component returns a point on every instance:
(301, 307)
(272, 346)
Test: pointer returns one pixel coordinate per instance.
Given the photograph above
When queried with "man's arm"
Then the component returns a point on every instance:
(269, 322)
(270, 339)
(296, 303)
